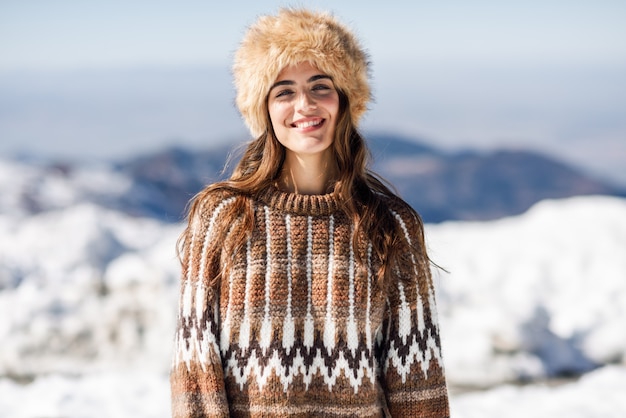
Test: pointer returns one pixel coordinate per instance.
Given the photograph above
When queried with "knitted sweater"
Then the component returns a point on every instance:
(299, 327)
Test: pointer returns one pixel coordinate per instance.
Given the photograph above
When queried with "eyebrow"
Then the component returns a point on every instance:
(310, 80)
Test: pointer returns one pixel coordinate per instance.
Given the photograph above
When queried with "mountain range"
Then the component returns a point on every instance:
(462, 185)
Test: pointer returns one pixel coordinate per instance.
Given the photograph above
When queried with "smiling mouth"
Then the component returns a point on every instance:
(307, 124)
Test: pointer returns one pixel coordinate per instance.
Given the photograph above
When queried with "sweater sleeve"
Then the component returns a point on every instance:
(412, 367)
(196, 377)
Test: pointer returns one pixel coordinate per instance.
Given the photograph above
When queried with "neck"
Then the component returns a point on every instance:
(308, 174)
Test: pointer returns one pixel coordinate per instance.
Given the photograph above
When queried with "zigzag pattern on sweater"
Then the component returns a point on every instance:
(306, 362)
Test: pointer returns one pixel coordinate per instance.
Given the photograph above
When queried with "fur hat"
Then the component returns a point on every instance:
(291, 37)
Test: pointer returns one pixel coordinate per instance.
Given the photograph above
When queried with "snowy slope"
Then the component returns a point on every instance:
(599, 394)
(533, 296)
(85, 288)
(537, 295)
(88, 299)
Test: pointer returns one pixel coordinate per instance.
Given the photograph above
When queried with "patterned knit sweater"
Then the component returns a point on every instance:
(299, 327)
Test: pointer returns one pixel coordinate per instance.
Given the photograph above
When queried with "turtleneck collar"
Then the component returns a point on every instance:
(300, 204)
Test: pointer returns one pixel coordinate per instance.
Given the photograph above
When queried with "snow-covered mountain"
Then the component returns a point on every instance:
(441, 185)
(30, 188)
(89, 290)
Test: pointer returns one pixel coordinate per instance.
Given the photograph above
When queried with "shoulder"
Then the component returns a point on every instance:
(407, 222)
(401, 210)
(213, 205)
(211, 198)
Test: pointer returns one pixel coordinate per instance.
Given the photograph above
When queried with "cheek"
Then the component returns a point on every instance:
(277, 113)
(332, 106)
(271, 109)
(333, 111)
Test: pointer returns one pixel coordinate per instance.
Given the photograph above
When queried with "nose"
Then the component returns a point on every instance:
(305, 101)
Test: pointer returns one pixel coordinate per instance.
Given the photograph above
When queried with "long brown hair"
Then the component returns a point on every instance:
(364, 195)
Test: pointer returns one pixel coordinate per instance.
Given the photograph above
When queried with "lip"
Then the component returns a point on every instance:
(308, 124)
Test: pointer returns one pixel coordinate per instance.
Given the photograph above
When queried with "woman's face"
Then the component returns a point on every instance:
(303, 106)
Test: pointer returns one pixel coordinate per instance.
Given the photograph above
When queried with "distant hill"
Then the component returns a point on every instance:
(469, 185)
(442, 186)
(165, 181)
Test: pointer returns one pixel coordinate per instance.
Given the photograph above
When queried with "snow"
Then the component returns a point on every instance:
(83, 288)
(533, 296)
(34, 187)
(88, 302)
(598, 394)
(123, 394)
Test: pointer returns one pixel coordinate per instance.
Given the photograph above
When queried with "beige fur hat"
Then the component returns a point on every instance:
(291, 37)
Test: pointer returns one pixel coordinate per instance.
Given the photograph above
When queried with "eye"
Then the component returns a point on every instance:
(321, 87)
(283, 93)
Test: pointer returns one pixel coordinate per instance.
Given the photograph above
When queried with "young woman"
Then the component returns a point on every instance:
(306, 286)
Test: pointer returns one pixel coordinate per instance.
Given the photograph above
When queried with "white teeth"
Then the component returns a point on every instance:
(308, 124)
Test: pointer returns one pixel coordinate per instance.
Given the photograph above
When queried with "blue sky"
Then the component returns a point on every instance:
(117, 33)
(87, 78)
